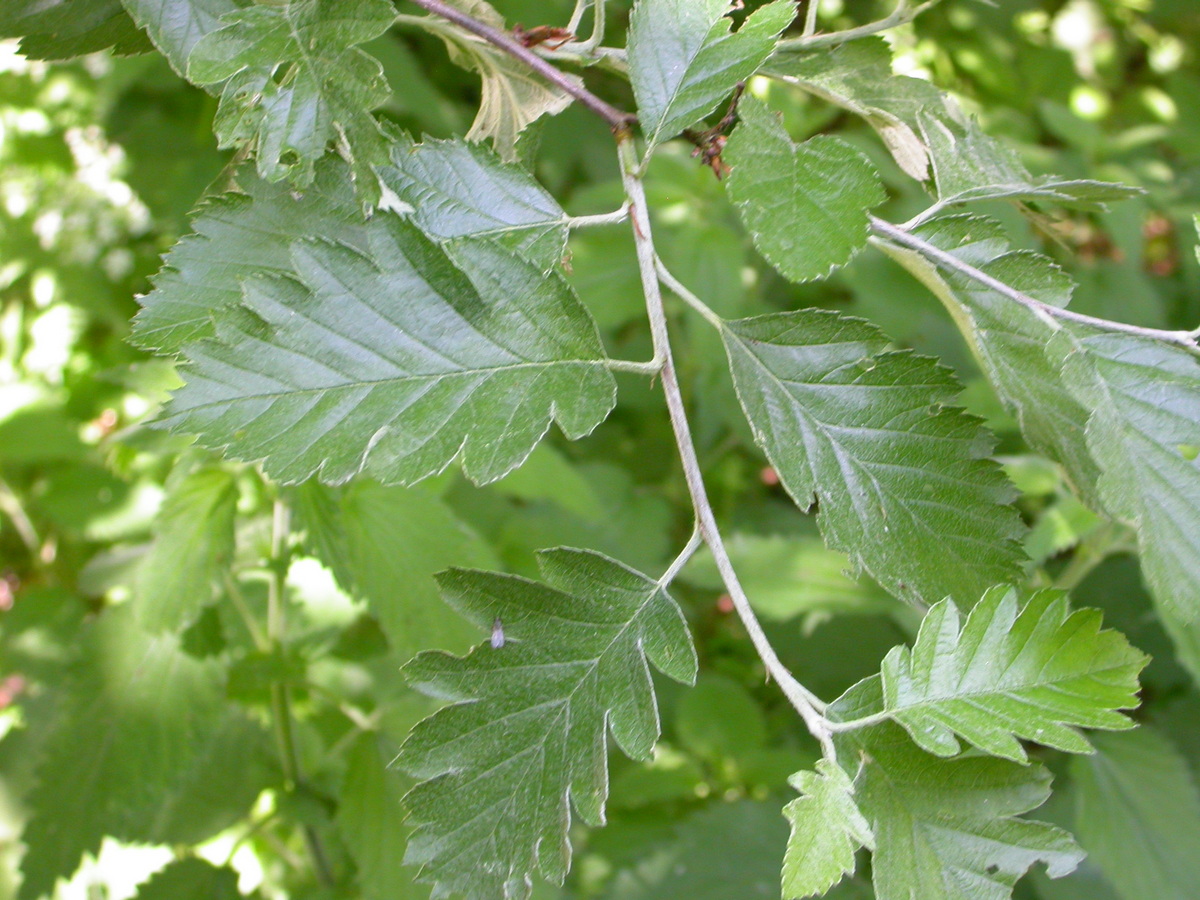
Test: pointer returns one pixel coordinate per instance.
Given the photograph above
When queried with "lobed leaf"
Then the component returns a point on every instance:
(805, 205)
(947, 829)
(1137, 811)
(458, 190)
(901, 476)
(175, 26)
(237, 235)
(1010, 340)
(684, 58)
(294, 83)
(62, 29)
(525, 737)
(827, 829)
(1143, 396)
(1037, 674)
(395, 363)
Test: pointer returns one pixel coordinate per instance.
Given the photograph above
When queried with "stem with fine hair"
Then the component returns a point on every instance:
(806, 704)
(901, 15)
(1048, 313)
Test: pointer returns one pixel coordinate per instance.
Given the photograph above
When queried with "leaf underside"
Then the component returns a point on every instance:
(525, 738)
(293, 82)
(827, 829)
(512, 97)
(924, 129)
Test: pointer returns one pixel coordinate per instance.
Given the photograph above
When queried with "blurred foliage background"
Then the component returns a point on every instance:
(101, 160)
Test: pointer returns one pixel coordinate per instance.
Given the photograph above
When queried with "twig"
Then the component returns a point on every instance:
(611, 218)
(901, 15)
(806, 704)
(676, 287)
(1048, 313)
(620, 121)
(685, 554)
(281, 710)
(810, 17)
(652, 367)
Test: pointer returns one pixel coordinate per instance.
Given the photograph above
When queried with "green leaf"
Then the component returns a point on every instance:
(237, 754)
(970, 165)
(1120, 411)
(1137, 811)
(513, 97)
(724, 851)
(393, 364)
(1009, 339)
(396, 539)
(857, 76)
(1144, 400)
(525, 738)
(946, 829)
(459, 190)
(901, 476)
(293, 83)
(136, 716)
(371, 820)
(684, 59)
(827, 830)
(805, 205)
(191, 879)
(237, 235)
(1005, 674)
(176, 25)
(62, 29)
(193, 545)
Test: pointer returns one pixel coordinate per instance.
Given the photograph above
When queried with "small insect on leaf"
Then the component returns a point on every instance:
(497, 634)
